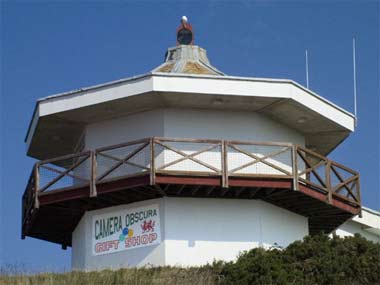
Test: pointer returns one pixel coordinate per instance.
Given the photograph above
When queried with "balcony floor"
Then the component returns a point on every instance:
(60, 211)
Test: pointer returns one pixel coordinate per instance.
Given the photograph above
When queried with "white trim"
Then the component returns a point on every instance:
(32, 126)
(94, 87)
(91, 96)
(205, 84)
(255, 88)
(370, 220)
(256, 79)
(372, 211)
(163, 74)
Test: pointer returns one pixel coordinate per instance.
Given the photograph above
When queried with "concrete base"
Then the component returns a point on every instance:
(194, 231)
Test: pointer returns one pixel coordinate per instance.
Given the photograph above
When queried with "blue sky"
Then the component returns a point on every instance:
(52, 47)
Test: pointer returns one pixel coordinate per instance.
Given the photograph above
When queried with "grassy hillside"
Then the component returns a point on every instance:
(147, 276)
(315, 260)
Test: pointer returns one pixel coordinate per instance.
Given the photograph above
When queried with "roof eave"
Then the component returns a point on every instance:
(35, 116)
(73, 92)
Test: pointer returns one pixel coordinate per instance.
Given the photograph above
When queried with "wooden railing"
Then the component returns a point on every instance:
(258, 159)
(330, 177)
(196, 157)
(125, 159)
(28, 202)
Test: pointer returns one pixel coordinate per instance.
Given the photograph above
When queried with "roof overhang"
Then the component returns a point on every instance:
(58, 121)
(369, 221)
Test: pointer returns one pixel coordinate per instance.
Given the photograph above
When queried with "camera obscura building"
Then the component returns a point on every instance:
(184, 165)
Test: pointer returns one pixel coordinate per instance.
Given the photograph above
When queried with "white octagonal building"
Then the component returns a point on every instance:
(184, 165)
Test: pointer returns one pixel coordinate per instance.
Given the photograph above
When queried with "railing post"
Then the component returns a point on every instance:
(359, 196)
(295, 167)
(152, 159)
(328, 181)
(224, 164)
(23, 215)
(93, 192)
(36, 185)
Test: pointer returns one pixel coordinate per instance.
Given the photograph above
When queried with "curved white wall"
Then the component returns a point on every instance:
(201, 124)
(188, 123)
(83, 259)
(227, 125)
(124, 129)
(195, 231)
(350, 228)
(203, 230)
(368, 225)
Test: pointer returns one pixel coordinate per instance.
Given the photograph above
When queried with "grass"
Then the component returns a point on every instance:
(316, 259)
(141, 276)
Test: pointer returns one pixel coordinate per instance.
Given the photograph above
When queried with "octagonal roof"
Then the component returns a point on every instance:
(185, 80)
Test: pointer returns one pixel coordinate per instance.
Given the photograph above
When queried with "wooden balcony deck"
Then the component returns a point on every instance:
(60, 190)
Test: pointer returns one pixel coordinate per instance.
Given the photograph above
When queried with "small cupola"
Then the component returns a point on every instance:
(186, 57)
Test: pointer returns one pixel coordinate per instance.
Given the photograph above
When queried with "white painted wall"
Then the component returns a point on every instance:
(368, 225)
(194, 232)
(350, 228)
(202, 124)
(228, 125)
(189, 123)
(82, 258)
(198, 231)
(124, 129)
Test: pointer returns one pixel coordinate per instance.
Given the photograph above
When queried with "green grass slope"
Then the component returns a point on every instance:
(315, 260)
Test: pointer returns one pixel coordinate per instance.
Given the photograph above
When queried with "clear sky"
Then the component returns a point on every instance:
(52, 47)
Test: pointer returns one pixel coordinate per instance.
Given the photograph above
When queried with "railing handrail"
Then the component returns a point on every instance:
(214, 141)
(261, 143)
(63, 157)
(186, 140)
(294, 150)
(105, 148)
(353, 172)
(311, 152)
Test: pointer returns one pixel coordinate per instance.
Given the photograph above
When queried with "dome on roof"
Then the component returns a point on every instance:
(187, 59)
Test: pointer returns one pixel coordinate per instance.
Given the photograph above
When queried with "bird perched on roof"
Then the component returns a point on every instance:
(185, 33)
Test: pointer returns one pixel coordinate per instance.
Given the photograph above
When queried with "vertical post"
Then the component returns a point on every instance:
(152, 166)
(359, 196)
(354, 71)
(328, 181)
(295, 167)
(307, 68)
(224, 164)
(24, 207)
(93, 192)
(36, 185)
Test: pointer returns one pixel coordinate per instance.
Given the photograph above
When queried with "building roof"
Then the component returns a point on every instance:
(64, 115)
(370, 221)
(186, 79)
